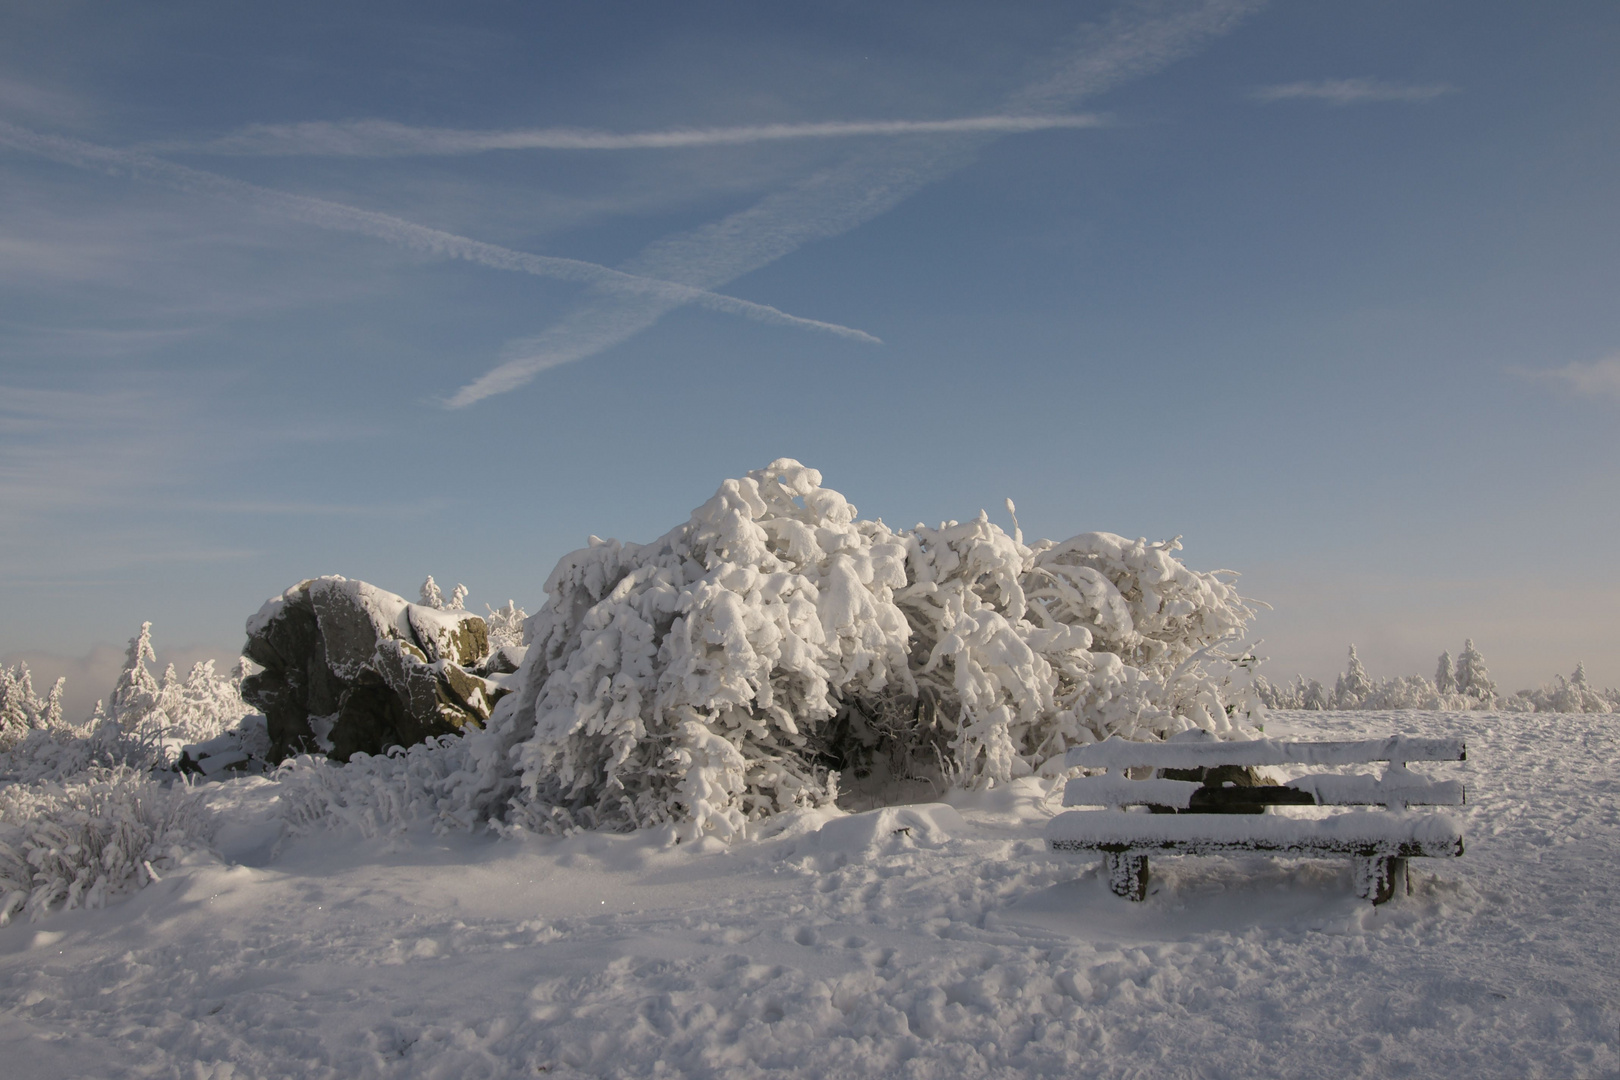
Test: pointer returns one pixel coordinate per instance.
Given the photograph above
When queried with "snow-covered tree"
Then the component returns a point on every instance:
(163, 716)
(1445, 679)
(728, 669)
(136, 696)
(433, 597)
(1470, 687)
(1404, 692)
(1473, 677)
(1572, 695)
(21, 711)
(1302, 693)
(1353, 686)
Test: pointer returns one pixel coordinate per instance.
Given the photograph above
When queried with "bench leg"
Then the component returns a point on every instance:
(1378, 877)
(1127, 874)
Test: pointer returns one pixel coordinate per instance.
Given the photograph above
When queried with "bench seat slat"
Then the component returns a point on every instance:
(1325, 790)
(1117, 753)
(1118, 791)
(1363, 833)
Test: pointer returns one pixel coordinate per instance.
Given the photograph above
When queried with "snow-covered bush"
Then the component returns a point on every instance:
(736, 666)
(60, 754)
(376, 795)
(21, 711)
(84, 843)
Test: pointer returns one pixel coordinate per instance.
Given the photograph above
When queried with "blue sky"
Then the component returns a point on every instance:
(390, 290)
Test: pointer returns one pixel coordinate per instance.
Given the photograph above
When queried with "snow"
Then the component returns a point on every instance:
(929, 940)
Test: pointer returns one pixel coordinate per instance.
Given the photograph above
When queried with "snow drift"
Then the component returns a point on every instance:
(776, 645)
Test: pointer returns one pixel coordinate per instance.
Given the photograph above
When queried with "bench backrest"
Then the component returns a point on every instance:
(1188, 751)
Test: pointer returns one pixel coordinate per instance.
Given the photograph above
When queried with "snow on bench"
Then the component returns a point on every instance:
(1205, 817)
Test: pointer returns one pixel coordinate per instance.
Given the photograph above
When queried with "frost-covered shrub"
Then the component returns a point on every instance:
(84, 843)
(733, 667)
(381, 795)
(505, 626)
(21, 711)
(60, 754)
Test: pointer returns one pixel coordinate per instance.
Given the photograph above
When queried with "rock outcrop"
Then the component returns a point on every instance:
(350, 668)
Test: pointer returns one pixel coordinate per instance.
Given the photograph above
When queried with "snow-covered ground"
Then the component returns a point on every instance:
(958, 947)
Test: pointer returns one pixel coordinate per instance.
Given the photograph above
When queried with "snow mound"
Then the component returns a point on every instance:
(859, 838)
(776, 645)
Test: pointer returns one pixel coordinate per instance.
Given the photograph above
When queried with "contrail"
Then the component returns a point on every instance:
(341, 218)
(384, 138)
(844, 196)
(580, 334)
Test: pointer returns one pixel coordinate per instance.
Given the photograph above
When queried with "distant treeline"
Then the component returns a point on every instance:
(1463, 684)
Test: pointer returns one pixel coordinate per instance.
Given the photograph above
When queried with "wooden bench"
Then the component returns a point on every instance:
(1198, 801)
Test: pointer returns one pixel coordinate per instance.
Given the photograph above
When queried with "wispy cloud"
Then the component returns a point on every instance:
(869, 182)
(1598, 379)
(97, 342)
(384, 138)
(415, 509)
(19, 98)
(71, 448)
(1351, 91)
(339, 217)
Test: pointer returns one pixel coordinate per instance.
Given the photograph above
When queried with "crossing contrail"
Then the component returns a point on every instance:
(339, 217)
(871, 181)
(384, 138)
